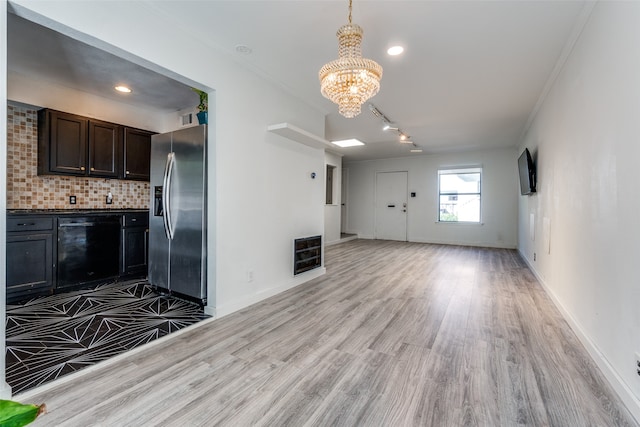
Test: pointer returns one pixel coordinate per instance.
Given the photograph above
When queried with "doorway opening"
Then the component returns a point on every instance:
(28, 88)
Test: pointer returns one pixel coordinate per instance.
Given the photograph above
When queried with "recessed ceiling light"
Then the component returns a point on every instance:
(122, 89)
(416, 150)
(347, 143)
(395, 50)
(243, 49)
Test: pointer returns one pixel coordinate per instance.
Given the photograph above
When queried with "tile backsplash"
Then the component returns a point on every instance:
(27, 190)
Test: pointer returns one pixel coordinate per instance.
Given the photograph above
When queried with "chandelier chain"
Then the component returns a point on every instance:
(350, 2)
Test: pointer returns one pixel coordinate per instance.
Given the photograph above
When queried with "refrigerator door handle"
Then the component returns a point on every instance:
(166, 191)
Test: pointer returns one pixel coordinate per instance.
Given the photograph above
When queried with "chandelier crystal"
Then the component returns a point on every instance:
(350, 80)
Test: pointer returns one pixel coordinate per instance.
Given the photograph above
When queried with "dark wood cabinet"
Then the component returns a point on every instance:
(62, 143)
(36, 242)
(104, 149)
(135, 244)
(69, 144)
(30, 260)
(137, 154)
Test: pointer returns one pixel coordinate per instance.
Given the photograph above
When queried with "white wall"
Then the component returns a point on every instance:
(260, 193)
(332, 211)
(585, 140)
(499, 198)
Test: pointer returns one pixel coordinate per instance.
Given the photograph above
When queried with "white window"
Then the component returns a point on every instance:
(459, 195)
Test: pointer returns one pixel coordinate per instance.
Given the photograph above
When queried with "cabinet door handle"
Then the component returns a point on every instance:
(133, 219)
(127, 172)
(81, 168)
(93, 169)
(26, 224)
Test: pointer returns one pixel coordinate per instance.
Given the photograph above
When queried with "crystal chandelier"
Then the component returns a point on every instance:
(350, 80)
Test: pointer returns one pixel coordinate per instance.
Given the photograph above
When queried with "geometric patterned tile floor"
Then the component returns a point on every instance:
(49, 337)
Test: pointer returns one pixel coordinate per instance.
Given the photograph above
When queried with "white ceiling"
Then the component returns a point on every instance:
(46, 55)
(470, 77)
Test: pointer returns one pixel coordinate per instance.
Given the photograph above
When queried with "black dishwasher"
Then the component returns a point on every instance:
(88, 248)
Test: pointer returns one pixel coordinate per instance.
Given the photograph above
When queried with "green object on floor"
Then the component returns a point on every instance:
(15, 414)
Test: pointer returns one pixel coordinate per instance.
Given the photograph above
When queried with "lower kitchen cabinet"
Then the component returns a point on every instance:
(41, 248)
(30, 261)
(135, 244)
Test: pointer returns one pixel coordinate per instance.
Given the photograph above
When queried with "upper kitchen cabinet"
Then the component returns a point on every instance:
(62, 143)
(104, 149)
(137, 154)
(69, 144)
(74, 145)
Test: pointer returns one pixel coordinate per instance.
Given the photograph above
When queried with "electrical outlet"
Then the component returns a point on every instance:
(534, 256)
(72, 200)
(250, 276)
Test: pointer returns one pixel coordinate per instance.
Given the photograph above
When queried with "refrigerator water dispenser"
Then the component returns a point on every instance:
(157, 201)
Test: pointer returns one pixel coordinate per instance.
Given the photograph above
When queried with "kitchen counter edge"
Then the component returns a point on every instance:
(72, 212)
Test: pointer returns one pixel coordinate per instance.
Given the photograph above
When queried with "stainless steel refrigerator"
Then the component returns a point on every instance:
(178, 215)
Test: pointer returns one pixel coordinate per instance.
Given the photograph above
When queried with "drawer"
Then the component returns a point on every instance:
(138, 219)
(29, 223)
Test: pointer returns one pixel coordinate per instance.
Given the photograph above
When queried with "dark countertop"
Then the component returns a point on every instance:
(58, 212)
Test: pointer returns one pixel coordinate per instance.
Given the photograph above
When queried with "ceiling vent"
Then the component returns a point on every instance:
(186, 119)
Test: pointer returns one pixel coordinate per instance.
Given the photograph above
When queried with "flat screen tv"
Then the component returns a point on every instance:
(527, 173)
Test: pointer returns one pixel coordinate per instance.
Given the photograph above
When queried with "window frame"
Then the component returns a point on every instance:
(459, 171)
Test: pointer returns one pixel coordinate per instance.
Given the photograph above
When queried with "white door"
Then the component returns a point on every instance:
(391, 206)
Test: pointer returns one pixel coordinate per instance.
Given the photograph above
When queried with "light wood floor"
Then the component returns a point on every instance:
(395, 334)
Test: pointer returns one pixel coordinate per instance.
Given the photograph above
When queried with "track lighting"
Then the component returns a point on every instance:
(388, 125)
(376, 112)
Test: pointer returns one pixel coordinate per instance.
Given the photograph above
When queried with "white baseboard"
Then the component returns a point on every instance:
(346, 239)
(365, 236)
(617, 383)
(443, 242)
(472, 244)
(239, 304)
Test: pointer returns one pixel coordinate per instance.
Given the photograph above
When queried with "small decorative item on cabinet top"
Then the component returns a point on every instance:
(203, 106)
